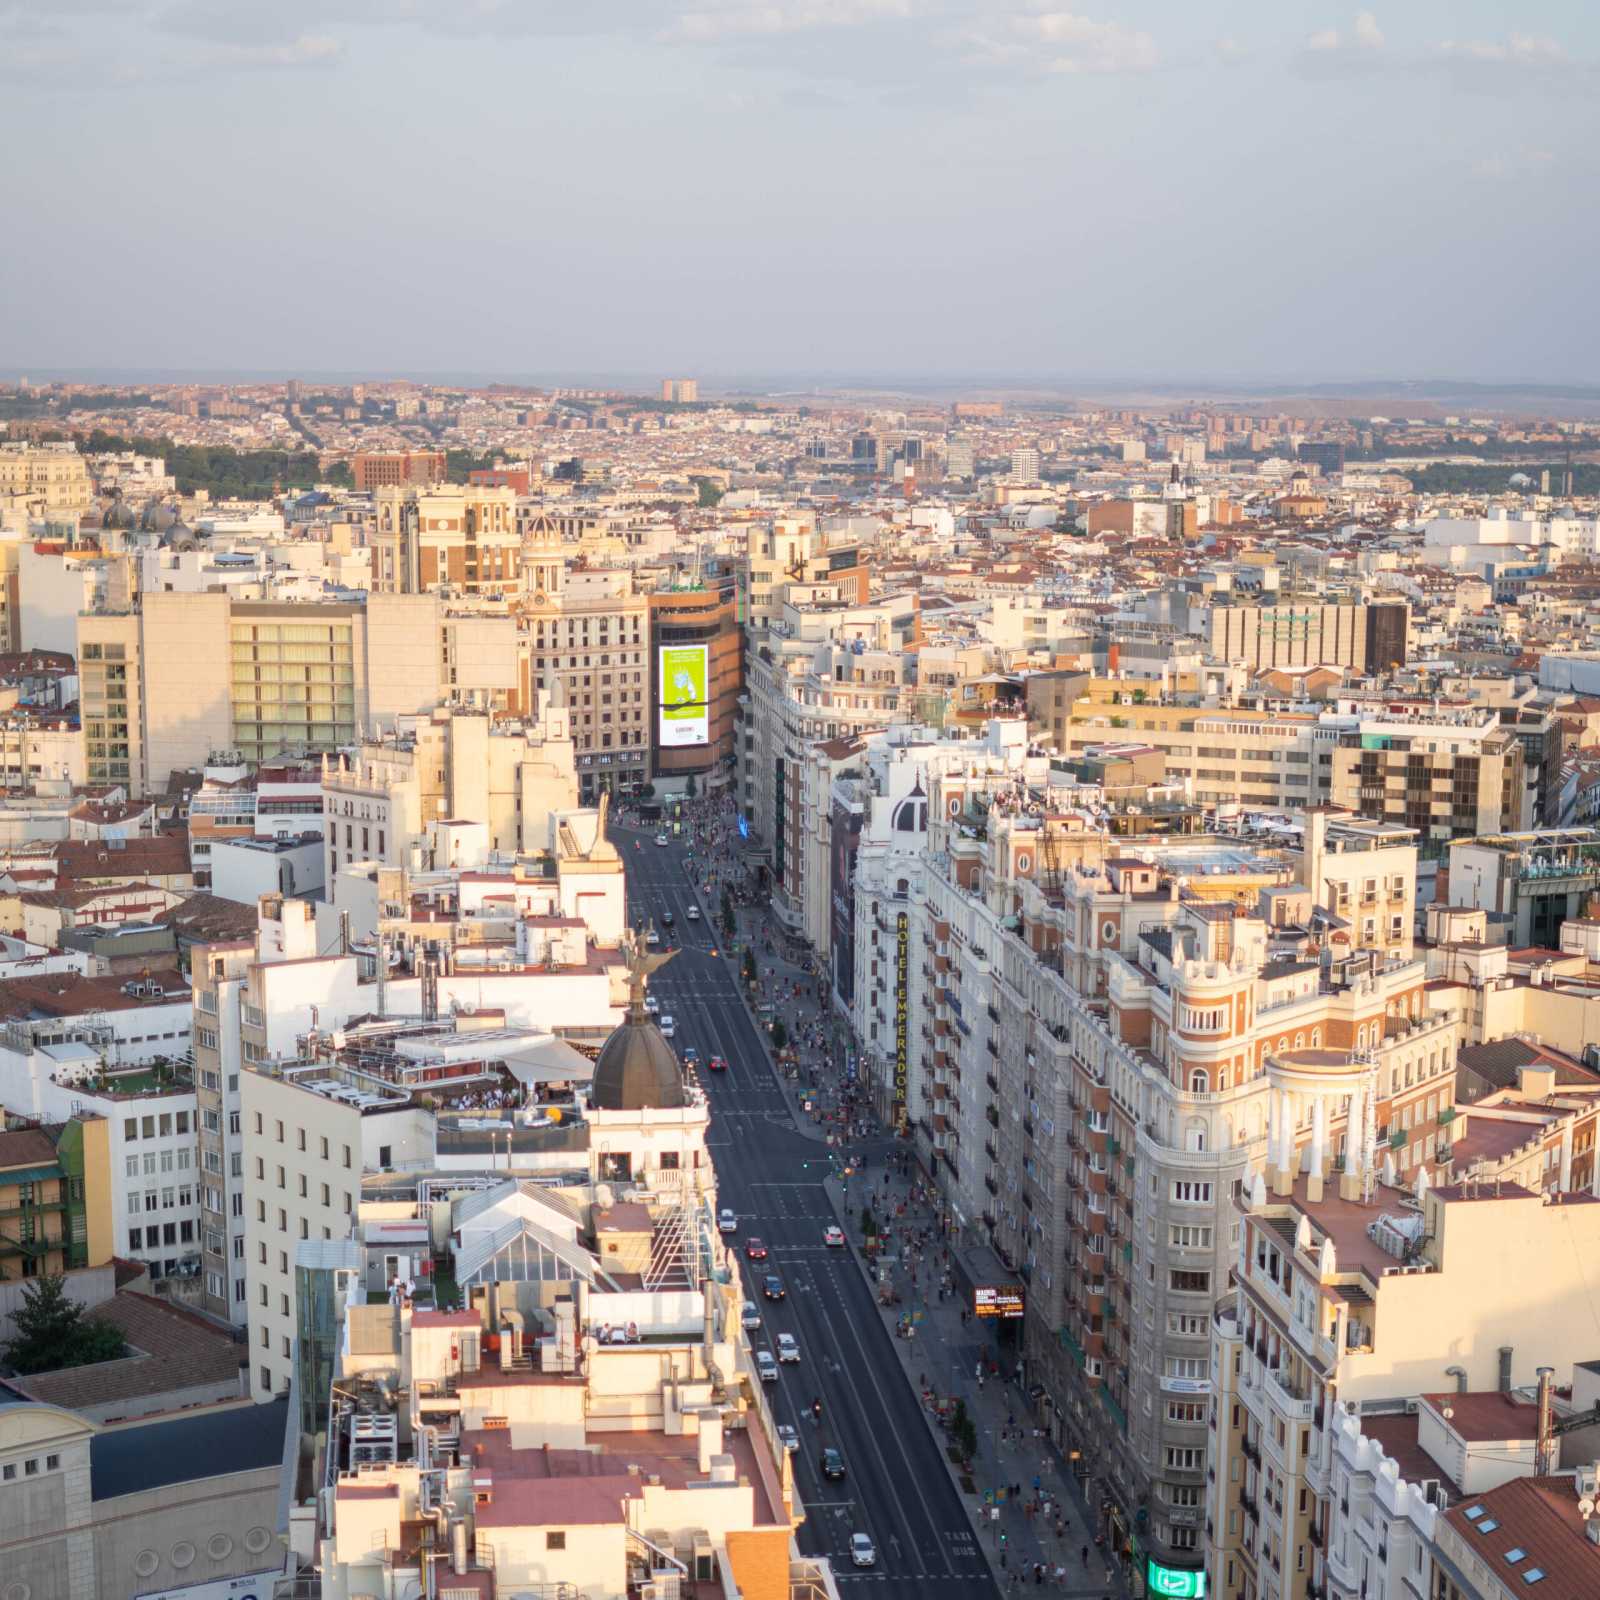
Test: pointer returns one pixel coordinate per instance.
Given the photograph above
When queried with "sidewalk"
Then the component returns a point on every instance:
(943, 1357)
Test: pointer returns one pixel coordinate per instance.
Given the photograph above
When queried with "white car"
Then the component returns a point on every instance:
(693, 913)
(766, 1367)
(727, 1222)
(651, 937)
(652, 1005)
(788, 1350)
(833, 1237)
(667, 1026)
(787, 1437)
(661, 840)
(750, 1316)
(862, 1550)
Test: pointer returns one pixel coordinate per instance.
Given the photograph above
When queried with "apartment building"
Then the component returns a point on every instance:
(49, 481)
(1093, 1046)
(308, 1139)
(56, 1187)
(1302, 631)
(1360, 1301)
(382, 795)
(1444, 777)
(188, 675)
(146, 1117)
(462, 540)
(1534, 880)
(374, 470)
(818, 677)
(588, 646)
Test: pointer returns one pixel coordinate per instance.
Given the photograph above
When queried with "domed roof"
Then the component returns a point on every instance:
(637, 1070)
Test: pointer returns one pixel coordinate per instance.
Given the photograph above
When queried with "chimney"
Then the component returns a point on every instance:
(710, 1438)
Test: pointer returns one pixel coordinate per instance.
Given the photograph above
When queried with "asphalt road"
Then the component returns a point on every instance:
(897, 1487)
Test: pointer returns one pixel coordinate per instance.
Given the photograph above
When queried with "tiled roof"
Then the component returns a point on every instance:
(173, 1349)
(1538, 1517)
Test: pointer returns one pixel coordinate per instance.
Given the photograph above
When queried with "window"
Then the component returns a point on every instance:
(1188, 1236)
(555, 1541)
(1184, 1458)
(1188, 1193)
(1181, 1282)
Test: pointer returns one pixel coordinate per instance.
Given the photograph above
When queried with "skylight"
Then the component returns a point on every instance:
(1533, 1574)
(1515, 1554)
(1488, 1525)
(1472, 1513)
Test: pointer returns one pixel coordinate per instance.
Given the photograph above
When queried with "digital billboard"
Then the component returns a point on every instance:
(683, 671)
(990, 1300)
(1174, 1583)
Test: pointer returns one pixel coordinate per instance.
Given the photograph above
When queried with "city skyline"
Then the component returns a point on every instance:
(1230, 195)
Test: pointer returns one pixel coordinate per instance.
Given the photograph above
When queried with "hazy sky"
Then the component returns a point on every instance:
(1192, 189)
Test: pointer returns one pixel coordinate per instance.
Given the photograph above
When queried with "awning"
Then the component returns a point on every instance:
(551, 1060)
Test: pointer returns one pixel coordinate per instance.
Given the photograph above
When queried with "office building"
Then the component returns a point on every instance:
(680, 391)
(383, 469)
(461, 541)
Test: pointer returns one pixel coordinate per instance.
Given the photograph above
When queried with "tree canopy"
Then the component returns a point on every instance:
(51, 1330)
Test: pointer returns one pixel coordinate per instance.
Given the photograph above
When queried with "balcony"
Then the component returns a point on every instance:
(993, 1082)
(992, 1115)
(1295, 1407)
(1252, 1451)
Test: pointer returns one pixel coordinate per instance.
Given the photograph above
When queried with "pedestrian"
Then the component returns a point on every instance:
(1086, 1558)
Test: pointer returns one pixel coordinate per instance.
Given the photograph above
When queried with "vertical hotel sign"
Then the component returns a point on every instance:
(902, 1014)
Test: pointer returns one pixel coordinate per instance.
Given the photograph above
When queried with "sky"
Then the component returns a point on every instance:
(1223, 191)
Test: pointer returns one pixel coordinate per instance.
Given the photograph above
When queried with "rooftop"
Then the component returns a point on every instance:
(184, 1449)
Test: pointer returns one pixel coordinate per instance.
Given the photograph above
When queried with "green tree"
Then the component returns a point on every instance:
(780, 1034)
(869, 1223)
(963, 1432)
(50, 1330)
(730, 923)
(710, 494)
(689, 788)
(749, 966)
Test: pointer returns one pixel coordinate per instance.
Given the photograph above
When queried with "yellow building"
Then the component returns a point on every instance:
(47, 481)
(55, 1198)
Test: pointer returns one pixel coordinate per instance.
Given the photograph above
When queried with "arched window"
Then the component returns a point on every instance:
(1316, 1038)
(1222, 1084)
(1299, 1041)
(1199, 1082)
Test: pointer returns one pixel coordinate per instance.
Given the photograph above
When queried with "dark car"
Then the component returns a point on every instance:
(832, 1464)
(666, 919)
(772, 1286)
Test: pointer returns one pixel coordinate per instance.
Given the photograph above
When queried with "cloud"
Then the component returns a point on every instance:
(736, 20)
(1081, 44)
(305, 50)
(1331, 52)
(1502, 164)
(1519, 50)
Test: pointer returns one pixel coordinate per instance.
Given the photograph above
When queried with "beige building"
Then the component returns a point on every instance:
(586, 634)
(382, 796)
(99, 1513)
(187, 675)
(1367, 1298)
(306, 1150)
(463, 540)
(47, 481)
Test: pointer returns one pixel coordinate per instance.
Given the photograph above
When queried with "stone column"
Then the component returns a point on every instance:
(1354, 1152)
(1319, 1147)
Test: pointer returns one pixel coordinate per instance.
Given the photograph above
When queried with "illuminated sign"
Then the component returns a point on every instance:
(683, 673)
(902, 1015)
(988, 1301)
(1174, 1583)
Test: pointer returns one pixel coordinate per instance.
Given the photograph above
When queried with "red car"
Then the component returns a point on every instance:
(717, 1064)
(755, 1250)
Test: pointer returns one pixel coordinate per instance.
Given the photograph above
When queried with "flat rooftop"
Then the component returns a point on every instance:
(186, 1449)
